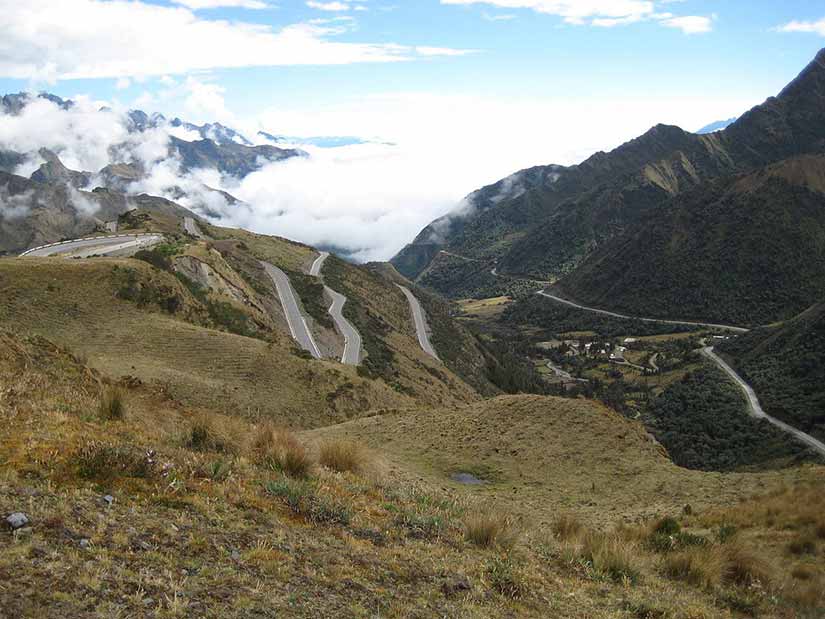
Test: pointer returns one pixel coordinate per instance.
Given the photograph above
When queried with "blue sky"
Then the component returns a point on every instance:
(515, 51)
(467, 91)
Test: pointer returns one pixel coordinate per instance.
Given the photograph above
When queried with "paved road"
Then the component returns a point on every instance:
(191, 227)
(420, 322)
(657, 320)
(95, 246)
(315, 269)
(352, 339)
(755, 407)
(296, 321)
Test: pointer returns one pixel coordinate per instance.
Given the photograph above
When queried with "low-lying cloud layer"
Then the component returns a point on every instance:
(366, 200)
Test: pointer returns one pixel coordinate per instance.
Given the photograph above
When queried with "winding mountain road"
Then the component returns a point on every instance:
(94, 246)
(656, 320)
(296, 321)
(755, 407)
(315, 269)
(352, 339)
(420, 321)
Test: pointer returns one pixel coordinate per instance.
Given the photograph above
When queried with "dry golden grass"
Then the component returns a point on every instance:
(700, 567)
(279, 449)
(176, 541)
(218, 433)
(342, 455)
(112, 403)
(567, 527)
(486, 528)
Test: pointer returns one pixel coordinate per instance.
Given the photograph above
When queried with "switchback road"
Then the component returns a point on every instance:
(297, 323)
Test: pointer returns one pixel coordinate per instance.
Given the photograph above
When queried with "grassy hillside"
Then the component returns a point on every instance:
(130, 319)
(542, 455)
(786, 366)
(162, 511)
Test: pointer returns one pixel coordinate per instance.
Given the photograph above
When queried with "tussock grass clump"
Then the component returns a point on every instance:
(605, 556)
(112, 405)
(567, 527)
(804, 544)
(282, 451)
(744, 567)
(303, 499)
(216, 434)
(342, 456)
(422, 526)
(506, 578)
(698, 566)
(490, 529)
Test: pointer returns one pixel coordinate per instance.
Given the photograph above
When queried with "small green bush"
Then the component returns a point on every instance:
(505, 578)
(302, 499)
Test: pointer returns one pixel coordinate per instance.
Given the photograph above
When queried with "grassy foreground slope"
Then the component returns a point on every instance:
(165, 512)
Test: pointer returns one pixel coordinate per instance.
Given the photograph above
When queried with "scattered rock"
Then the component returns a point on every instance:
(108, 500)
(235, 555)
(17, 520)
(456, 586)
(84, 543)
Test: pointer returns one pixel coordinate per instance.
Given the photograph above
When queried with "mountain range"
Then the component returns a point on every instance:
(727, 226)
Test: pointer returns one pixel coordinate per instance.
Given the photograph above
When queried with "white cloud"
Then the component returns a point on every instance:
(815, 27)
(214, 4)
(691, 24)
(602, 13)
(48, 40)
(328, 6)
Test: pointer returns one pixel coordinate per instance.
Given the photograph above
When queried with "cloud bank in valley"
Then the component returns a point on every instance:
(364, 200)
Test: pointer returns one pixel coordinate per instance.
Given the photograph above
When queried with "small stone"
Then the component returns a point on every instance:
(235, 555)
(17, 520)
(456, 586)
(108, 499)
(84, 543)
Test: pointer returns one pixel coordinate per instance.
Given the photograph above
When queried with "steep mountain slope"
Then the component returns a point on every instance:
(745, 249)
(785, 364)
(545, 222)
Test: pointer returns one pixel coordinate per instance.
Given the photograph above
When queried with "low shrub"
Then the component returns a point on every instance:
(804, 544)
(490, 529)
(342, 456)
(100, 462)
(112, 403)
(281, 451)
(505, 578)
(421, 526)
